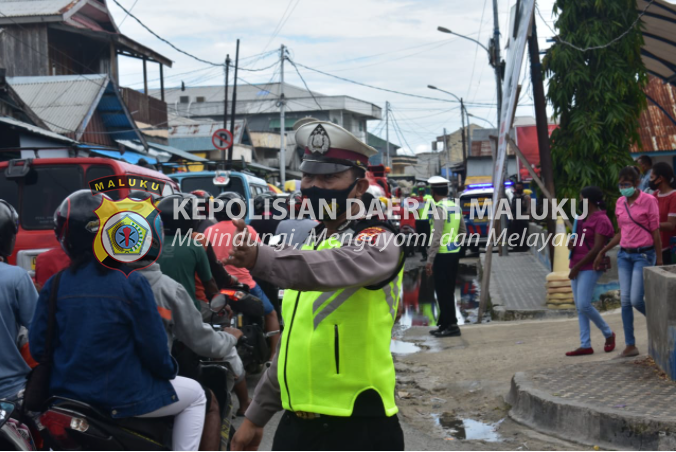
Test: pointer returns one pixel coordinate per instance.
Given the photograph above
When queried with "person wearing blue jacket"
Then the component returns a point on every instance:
(110, 346)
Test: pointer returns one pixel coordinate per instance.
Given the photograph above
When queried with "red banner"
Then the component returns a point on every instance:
(527, 140)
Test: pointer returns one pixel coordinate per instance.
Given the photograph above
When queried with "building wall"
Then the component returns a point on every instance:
(24, 50)
(484, 166)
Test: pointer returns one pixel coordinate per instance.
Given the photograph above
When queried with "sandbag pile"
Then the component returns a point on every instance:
(559, 290)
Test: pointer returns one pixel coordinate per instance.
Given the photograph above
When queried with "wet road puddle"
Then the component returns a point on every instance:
(468, 429)
(403, 348)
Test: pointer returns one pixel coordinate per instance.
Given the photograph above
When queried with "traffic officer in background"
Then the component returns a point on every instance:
(444, 255)
(422, 223)
(333, 372)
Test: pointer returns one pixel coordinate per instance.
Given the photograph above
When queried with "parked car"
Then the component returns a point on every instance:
(216, 182)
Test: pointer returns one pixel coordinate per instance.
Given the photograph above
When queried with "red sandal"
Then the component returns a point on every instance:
(581, 351)
(610, 344)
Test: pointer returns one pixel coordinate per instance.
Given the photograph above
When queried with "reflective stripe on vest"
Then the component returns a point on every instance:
(337, 345)
(451, 227)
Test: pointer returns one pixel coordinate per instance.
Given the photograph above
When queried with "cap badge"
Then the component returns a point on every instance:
(319, 141)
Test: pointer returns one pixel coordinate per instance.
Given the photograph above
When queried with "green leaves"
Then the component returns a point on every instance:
(597, 95)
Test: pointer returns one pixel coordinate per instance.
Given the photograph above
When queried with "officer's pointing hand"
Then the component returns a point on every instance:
(244, 250)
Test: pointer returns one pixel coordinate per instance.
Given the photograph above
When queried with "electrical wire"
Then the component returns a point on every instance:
(476, 50)
(306, 87)
(602, 46)
(281, 23)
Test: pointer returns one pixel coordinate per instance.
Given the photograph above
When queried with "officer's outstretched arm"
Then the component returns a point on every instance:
(360, 263)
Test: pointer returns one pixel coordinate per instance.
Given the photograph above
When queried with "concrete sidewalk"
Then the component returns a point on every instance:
(618, 404)
(517, 288)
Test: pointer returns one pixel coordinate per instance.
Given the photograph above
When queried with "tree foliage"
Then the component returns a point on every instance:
(597, 94)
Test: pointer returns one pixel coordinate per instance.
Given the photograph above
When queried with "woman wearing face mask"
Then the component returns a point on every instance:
(663, 184)
(593, 232)
(638, 236)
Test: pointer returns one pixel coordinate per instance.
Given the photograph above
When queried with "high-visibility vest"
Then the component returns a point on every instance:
(336, 344)
(425, 209)
(451, 226)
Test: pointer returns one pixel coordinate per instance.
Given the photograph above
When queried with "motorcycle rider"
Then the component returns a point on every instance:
(110, 347)
(222, 235)
(18, 298)
(183, 322)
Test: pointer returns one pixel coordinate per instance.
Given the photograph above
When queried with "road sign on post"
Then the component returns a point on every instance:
(222, 139)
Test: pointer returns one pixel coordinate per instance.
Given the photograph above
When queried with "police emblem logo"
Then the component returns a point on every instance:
(128, 233)
(319, 141)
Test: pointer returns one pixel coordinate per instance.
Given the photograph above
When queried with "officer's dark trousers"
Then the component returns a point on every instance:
(445, 270)
(422, 227)
(338, 433)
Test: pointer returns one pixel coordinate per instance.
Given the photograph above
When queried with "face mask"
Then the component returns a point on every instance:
(628, 192)
(653, 184)
(519, 191)
(335, 198)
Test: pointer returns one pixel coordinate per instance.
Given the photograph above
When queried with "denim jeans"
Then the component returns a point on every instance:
(583, 290)
(630, 269)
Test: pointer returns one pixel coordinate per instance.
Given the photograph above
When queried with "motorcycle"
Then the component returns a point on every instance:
(68, 424)
(14, 435)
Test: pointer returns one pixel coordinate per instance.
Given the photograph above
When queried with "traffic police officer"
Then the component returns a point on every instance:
(333, 372)
(444, 255)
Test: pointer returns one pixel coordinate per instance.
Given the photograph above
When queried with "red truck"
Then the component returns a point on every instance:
(36, 187)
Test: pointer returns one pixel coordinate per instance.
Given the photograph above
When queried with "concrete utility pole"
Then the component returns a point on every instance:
(234, 104)
(387, 133)
(225, 100)
(464, 142)
(282, 124)
(542, 126)
(496, 55)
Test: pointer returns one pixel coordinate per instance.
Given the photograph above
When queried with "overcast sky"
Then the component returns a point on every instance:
(391, 44)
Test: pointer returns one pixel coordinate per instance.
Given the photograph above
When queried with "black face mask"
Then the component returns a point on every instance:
(336, 198)
(653, 184)
(519, 191)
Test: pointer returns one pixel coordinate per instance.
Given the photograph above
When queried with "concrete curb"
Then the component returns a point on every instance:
(503, 314)
(585, 424)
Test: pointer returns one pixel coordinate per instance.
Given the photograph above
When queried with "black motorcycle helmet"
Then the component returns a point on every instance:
(172, 218)
(9, 227)
(237, 203)
(76, 224)
(260, 201)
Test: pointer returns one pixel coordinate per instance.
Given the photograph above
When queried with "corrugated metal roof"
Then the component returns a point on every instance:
(63, 102)
(659, 36)
(35, 130)
(658, 132)
(14, 8)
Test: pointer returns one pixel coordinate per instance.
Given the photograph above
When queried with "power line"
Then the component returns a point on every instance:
(306, 87)
(281, 23)
(603, 46)
(476, 50)
(164, 40)
(438, 99)
(125, 17)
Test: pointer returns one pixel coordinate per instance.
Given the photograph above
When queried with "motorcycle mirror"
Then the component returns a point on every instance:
(6, 410)
(218, 303)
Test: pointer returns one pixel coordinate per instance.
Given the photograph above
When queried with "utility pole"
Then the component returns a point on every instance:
(387, 133)
(464, 142)
(234, 104)
(496, 58)
(225, 100)
(282, 124)
(542, 126)
(448, 156)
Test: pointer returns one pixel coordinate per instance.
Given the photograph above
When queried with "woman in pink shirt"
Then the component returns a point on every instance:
(638, 236)
(663, 184)
(593, 233)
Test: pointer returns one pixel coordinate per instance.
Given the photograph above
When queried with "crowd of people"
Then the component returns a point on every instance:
(646, 233)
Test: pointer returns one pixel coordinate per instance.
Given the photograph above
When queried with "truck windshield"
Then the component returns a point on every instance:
(189, 184)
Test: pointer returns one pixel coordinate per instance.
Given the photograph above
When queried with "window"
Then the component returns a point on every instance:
(199, 99)
(189, 184)
(97, 172)
(10, 191)
(184, 99)
(44, 188)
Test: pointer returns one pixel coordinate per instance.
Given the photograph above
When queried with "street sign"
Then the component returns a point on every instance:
(222, 139)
